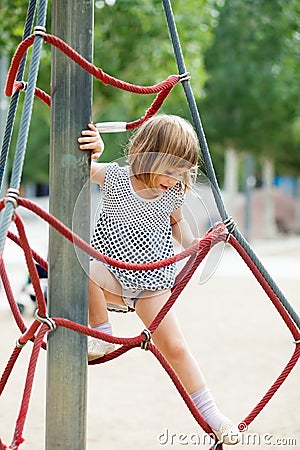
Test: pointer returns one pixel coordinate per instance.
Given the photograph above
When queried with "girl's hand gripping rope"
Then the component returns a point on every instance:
(91, 140)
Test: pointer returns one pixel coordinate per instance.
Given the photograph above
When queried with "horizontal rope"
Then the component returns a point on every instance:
(215, 234)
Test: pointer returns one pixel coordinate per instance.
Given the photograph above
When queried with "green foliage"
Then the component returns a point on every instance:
(12, 15)
(131, 43)
(252, 93)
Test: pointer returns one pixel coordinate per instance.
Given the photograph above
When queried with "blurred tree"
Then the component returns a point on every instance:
(132, 43)
(252, 92)
(12, 16)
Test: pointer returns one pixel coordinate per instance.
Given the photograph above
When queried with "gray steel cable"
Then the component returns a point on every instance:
(19, 157)
(11, 114)
(209, 165)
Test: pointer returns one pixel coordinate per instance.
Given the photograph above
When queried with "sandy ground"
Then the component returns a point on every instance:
(234, 332)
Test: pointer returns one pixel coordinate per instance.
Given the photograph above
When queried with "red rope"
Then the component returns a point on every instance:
(9, 366)
(18, 85)
(196, 254)
(35, 255)
(211, 239)
(154, 108)
(10, 297)
(15, 63)
(33, 273)
(273, 389)
(162, 89)
(266, 287)
(86, 65)
(18, 439)
(80, 243)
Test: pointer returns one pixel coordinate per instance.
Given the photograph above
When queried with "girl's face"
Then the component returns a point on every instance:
(168, 179)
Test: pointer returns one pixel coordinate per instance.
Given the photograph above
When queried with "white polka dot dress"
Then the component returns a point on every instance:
(137, 230)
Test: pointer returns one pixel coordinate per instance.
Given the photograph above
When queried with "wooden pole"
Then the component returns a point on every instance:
(72, 21)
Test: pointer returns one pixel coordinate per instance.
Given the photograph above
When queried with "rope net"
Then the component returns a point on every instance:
(42, 323)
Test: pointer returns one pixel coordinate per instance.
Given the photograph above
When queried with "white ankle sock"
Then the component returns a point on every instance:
(104, 328)
(208, 409)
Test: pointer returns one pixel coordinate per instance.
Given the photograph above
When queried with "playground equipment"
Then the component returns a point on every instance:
(46, 322)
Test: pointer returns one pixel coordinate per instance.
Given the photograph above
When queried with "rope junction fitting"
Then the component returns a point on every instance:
(230, 224)
(12, 196)
(20, 344)
(39, 31)
(145, 343)
(46, 320)
(195, 254)
(186, 76)
(24, 85)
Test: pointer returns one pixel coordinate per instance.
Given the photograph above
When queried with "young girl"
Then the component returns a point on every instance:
(140, 215)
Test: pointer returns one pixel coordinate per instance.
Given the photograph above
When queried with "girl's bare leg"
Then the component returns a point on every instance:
(169, 339)
(103, 288)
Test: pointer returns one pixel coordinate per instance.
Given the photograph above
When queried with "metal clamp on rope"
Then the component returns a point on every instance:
(12, 196)
(111, 127)
(184, 76)
(230, 224)
(145, 343)
(24, 85)
(39, 31)
(19, 344)
(47, 320)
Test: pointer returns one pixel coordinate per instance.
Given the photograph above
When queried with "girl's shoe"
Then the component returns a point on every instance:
(98, 349)
(228, 433)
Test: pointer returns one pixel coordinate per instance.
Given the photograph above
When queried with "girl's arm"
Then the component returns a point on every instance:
(181, 230)
(91, 140)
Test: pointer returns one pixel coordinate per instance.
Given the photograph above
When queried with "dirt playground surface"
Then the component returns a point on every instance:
(234, 332)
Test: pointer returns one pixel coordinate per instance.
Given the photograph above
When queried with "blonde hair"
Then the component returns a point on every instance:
(162, 142)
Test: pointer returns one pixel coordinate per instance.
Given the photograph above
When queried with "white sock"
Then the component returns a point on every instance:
(208, 409)
(103, 328)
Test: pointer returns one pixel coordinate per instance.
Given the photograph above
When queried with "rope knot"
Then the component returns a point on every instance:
(145, 343)
(46, 320)
(12, 196)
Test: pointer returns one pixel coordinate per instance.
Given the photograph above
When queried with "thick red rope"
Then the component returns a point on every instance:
(33, 273)
(80, 243)
(19, 86)
(18, 439)
(97, 72)
(196, 255)
(266, 287)
(273, 389)
(162, 89)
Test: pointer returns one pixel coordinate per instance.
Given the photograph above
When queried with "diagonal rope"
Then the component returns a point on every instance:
(196, 254)
(209, 165)
(25, 123)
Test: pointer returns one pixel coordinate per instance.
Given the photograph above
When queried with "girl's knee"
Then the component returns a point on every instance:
(173, 349)
(103, 278)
